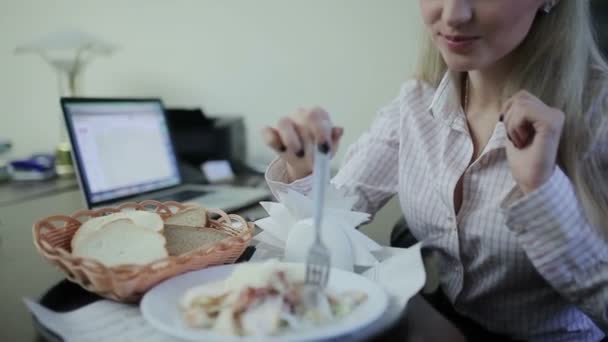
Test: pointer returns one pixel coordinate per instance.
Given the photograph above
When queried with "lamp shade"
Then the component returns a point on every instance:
(68, 52)
(67, 40)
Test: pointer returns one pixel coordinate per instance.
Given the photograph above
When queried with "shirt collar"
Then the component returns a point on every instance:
(446, 106)
(499, 137)
(446, 100)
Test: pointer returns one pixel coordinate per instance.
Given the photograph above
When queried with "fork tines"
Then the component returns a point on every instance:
(317, 268)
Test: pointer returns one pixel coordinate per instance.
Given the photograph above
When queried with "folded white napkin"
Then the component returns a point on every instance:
(401, 273)
(290, 227)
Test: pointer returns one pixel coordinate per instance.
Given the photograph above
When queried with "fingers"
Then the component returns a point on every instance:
(518, 128)
(319, 125)
(297, 135)
(520, 111)
(273, 140)
(336, 136)
(290, 137)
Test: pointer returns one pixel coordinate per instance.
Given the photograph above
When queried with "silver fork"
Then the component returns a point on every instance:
(318, 260)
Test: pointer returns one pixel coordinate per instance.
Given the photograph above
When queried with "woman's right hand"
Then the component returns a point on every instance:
(294, 138)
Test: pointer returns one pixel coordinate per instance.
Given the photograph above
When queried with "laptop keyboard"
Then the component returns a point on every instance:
(181, 196)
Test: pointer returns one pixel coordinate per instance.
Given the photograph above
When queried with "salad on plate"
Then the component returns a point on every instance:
(264, 299)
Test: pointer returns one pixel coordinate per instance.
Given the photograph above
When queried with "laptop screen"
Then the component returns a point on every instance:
(121, 147)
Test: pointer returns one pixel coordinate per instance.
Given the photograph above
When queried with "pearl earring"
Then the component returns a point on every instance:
(549, 6)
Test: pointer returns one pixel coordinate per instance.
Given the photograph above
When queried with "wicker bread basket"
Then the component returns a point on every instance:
(128, 283)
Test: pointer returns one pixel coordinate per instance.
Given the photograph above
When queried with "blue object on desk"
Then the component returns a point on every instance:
(37, 167)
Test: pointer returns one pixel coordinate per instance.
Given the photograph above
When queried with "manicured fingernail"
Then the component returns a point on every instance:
(501, 117)
(300, 154)
(324, 148)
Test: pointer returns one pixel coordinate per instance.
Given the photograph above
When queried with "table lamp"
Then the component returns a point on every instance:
(68, 53)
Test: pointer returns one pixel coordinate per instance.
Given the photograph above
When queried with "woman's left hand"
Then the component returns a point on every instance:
(534, 130)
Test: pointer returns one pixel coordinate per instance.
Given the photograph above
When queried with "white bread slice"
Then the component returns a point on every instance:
(146, 219)
(186, 231)
(181, 240)
(141, 218)
(122, 242)
(189, 217)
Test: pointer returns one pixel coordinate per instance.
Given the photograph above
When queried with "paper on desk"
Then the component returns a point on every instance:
(103, 320)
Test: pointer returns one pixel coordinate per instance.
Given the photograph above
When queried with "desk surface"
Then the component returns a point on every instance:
(23, 272)
(12, 193)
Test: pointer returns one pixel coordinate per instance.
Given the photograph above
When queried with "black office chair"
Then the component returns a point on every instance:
(401, 235)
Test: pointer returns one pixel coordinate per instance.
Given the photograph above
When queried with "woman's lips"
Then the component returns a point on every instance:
(459, 44)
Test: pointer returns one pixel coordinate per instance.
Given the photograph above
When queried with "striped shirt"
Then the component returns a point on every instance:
(528, 266)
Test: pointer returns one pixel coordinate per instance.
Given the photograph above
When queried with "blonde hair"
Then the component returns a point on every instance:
(560, 63)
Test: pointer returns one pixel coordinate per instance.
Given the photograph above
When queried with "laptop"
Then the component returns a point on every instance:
(123, 152)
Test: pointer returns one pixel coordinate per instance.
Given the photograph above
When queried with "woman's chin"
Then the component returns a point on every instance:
(460, 66)
(460, 63)
(467, 63)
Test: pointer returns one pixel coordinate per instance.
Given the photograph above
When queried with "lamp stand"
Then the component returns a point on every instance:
(68, 82)
(68, 52)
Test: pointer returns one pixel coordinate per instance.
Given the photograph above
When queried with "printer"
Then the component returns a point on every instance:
(198, 138)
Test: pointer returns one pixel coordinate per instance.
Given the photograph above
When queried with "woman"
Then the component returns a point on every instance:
(498, 152)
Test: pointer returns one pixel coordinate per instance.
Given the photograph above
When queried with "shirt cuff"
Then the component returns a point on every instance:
(278, 180)
(552, 199)
(553, 230)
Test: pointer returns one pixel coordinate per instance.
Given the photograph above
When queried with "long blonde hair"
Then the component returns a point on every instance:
(561, 64)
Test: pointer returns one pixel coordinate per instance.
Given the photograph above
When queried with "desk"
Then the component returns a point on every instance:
(24, 273)
(17, 192)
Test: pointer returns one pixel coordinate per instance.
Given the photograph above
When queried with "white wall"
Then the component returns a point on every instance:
(256, 58)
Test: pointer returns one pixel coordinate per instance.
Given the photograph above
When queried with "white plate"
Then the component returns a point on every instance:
(160, 307)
